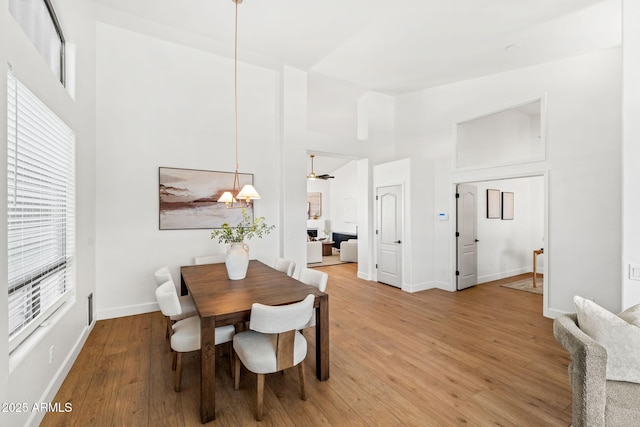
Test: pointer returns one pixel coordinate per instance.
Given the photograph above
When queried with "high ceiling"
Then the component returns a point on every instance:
(390, 46)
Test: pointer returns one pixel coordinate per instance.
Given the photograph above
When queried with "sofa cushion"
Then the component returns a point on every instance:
(631, 315)
(623, 404)
(615, 333)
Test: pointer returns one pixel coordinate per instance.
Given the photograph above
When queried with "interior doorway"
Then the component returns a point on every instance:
(343, 197)
(389, 204)
(507, 235)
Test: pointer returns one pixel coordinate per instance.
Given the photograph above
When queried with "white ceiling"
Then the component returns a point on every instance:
(390, 46)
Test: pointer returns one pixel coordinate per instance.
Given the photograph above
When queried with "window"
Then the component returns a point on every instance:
(41, 193)
(39, 22)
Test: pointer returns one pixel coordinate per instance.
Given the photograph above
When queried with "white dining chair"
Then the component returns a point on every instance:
(317, 279)
(209, 259)
(187, 307)
(161, 275)
(285, 265)
(185, 334)
(314, 277)
(273, 344)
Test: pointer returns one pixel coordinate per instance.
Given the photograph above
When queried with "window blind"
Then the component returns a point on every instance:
(41, 194)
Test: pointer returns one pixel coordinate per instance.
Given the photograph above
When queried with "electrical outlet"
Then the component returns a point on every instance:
(634, 272)
(51, 353)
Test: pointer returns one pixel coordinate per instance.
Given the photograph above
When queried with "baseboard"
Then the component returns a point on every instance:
(364, 276)
(417, 287)
(129, 310)
(552, 313)
(503, 274)
(52, 389)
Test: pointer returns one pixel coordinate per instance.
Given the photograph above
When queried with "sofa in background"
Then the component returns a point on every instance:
(596, 400)
(314, 252)
(349, 250)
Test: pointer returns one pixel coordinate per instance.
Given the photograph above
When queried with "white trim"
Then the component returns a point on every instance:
(128, 310)
(51, 390)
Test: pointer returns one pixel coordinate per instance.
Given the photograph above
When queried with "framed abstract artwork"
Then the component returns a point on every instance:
(188, 198)
(507, 205)
(493, 204)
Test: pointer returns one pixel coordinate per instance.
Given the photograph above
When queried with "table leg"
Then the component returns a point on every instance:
(322, 339)
(207, 370)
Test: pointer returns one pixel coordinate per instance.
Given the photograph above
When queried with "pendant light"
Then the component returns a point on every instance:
(312, 175)
(248, 192)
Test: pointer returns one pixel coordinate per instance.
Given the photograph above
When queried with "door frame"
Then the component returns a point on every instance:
(403, 229)
(459, 235)
(484, 176)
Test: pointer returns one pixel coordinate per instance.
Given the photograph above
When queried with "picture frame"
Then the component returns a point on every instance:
(493, 204)
(188, 198)
(507, 205)
(314, 205)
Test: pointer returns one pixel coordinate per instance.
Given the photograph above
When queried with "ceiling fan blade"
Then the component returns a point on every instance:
(325, 176)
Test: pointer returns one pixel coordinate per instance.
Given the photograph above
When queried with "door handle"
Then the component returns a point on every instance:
(398, 241)
(477, 240)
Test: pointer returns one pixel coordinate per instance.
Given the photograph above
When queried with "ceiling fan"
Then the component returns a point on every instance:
(312, 175)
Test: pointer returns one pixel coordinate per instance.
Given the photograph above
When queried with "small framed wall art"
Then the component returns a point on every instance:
(493, 204)
(507, 205)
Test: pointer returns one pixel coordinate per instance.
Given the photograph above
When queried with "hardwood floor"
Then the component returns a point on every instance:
(482, 356)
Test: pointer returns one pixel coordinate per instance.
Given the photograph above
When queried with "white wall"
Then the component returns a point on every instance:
(506, 246)
(299, 140)
(27, 376)
(163, 104)
(631, 150)
(344, 195)
(323, 187)
(583, 160)
(502, 137)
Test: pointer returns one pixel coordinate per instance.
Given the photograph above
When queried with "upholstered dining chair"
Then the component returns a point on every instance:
(185, 334)
(273, 344)
(285, 265)
(187, 307)
(209, 259)
(315, 278)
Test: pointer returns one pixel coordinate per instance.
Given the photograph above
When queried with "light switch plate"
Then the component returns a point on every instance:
(634, 271)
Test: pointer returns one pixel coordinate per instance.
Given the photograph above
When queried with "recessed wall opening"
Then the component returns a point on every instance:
(512, 135)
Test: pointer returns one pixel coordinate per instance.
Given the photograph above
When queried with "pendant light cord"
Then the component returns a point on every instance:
(235, 80)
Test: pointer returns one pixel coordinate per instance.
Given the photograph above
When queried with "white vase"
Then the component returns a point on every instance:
(237, 260)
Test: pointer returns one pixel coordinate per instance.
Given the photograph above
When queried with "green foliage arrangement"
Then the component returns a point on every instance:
(245, 230)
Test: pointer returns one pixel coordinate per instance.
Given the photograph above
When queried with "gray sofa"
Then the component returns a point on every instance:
(596, 400)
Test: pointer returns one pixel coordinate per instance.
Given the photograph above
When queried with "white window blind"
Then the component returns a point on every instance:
(41, 193)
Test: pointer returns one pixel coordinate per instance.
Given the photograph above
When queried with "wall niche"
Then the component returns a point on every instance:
(512, 135)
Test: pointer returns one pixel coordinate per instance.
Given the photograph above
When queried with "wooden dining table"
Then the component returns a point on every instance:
(220, 301)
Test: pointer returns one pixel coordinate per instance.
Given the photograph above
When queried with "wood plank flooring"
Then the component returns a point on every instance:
(483, 356)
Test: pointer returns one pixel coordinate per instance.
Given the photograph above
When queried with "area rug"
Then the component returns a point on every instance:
(526, 285)
(327, 260)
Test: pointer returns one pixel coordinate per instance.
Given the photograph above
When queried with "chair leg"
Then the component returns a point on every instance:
(303, 391)
(231, 357)
(259, 396)
(178, 384)
(236, 378)
(169, 327)
(175, 360)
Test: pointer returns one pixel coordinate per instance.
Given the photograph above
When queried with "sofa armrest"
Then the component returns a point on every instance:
(587, 371)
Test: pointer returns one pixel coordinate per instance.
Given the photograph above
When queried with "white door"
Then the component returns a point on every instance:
(389, 235)
(466, 237)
